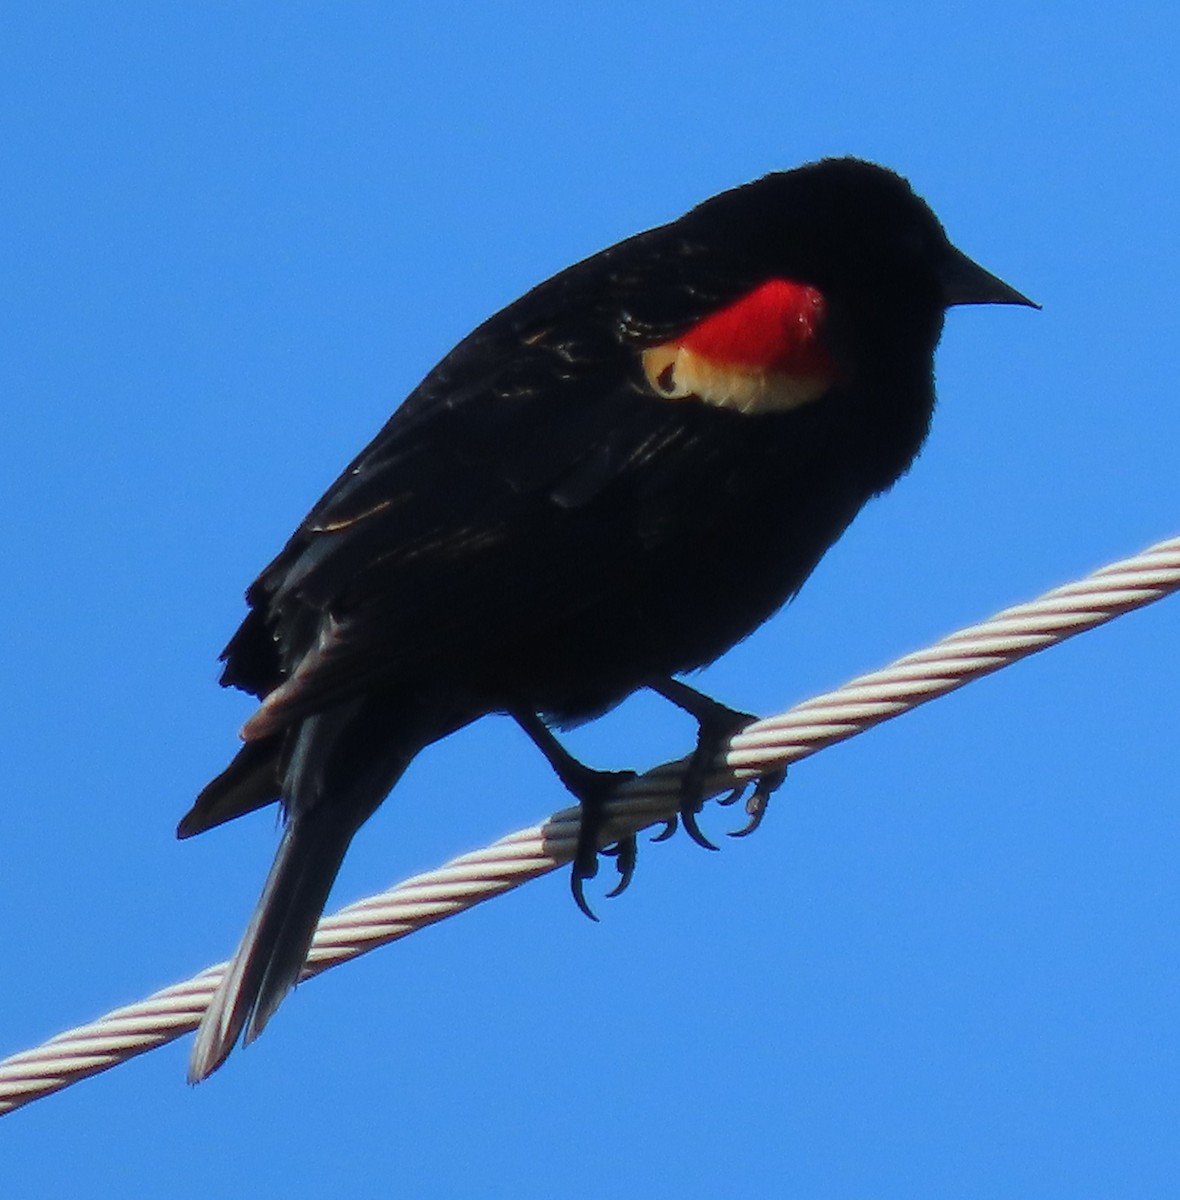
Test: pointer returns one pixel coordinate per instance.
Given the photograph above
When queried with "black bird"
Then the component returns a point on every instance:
(608, 483)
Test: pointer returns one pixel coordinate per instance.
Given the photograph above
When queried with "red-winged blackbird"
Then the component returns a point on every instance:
(606, 484)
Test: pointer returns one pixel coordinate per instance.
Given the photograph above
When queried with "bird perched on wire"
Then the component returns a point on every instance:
(605, 485)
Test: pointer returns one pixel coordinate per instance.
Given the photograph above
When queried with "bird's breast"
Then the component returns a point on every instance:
(765, 352)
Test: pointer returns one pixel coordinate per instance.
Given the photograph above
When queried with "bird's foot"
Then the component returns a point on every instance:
(592, 789)
(716, 725)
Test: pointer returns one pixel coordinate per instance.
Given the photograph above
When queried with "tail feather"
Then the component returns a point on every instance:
(330, 774)
(251, 781)
(273, 950)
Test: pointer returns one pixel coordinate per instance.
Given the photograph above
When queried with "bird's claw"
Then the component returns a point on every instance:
(577, 880)
(756, 805)
(669, 829)
(688, 815)
(624, 852)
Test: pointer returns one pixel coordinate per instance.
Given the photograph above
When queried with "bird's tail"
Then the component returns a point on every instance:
(330, 788)
(273, 949)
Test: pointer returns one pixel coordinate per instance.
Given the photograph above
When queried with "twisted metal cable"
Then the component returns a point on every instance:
(762, 747)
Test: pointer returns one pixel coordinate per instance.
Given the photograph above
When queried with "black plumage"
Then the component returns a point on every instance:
(539, 530)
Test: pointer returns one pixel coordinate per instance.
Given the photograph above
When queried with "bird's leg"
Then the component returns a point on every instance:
(591, 788)
(717, 723)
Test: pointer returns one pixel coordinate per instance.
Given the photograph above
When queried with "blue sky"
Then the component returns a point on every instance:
(231, 239)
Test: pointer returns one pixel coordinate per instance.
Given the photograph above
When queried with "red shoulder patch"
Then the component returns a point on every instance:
(776, 327)
(762, 353)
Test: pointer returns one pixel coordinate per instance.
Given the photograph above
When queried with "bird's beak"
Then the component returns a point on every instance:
(964, 281)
